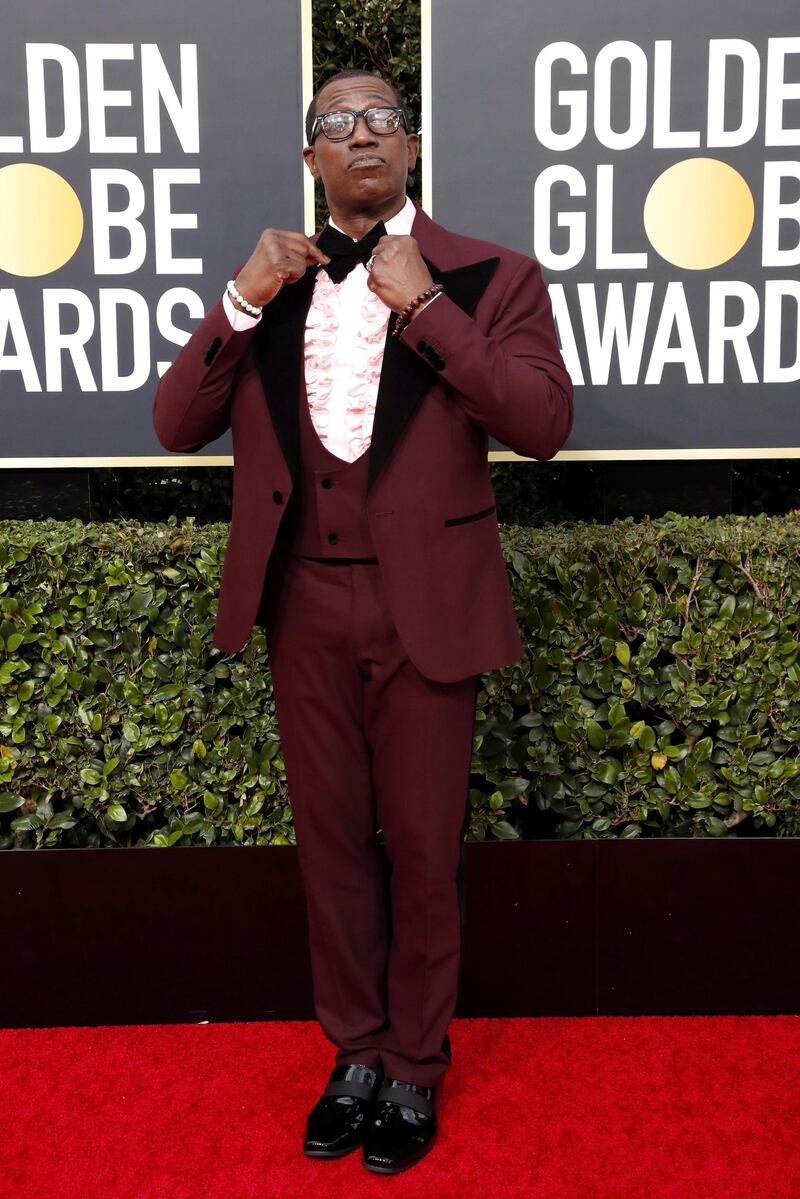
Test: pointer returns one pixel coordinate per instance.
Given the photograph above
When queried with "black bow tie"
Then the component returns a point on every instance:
(343, 252)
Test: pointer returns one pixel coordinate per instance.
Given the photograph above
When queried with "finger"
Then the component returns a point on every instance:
(298, 244)
(292, 271)
(302, 245)
(295, 260)
(315, 255)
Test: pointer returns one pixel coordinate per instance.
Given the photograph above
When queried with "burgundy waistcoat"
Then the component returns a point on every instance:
(327, 512)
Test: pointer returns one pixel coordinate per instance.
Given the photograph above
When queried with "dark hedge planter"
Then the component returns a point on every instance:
(569, 928)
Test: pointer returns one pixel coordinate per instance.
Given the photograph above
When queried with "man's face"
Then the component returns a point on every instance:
(366, 168)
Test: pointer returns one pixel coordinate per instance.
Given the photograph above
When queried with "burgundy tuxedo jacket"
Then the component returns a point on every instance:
(481, 359)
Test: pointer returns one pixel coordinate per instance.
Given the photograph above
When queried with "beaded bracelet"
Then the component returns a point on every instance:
(235, 295)
(405, 316)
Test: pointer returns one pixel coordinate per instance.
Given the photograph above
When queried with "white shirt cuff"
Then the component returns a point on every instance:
(239, 320)
(430, 301)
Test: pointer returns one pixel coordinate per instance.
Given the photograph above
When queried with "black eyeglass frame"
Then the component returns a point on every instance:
(355, 114)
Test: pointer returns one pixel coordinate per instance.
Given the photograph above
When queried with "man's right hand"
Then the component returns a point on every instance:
(279, 257)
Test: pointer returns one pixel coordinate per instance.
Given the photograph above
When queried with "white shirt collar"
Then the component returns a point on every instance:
(400, 223)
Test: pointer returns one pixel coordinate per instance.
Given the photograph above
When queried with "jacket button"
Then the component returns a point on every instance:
(278, 497)
(326, 482)
(333, 538)
(438, 362)
(422, 346)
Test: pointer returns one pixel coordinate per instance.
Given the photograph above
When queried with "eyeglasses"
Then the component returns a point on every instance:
(339, 125)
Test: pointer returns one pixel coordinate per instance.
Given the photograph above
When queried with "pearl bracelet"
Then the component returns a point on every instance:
(235, 295)
(405, 315)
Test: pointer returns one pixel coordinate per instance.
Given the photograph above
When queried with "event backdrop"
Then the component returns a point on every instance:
(143, 148)
(647, 155)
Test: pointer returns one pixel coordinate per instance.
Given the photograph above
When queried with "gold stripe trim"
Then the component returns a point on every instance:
(644, 455)
(307, 91)
(115, 460)
(494, 456)
(426, 100)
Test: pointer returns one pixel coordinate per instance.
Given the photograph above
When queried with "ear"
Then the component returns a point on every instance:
(309, 154)
(412, 141)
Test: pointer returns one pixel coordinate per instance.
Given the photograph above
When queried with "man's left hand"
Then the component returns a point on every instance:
(399, 273)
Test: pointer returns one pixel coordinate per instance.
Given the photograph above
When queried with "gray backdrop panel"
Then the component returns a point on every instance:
(250, 141)
(486, 156)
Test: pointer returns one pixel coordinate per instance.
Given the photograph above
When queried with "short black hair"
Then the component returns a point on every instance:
(348, 73)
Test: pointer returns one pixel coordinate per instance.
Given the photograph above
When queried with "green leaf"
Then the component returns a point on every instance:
(702, 749)
(717, 827)
(568, 827)
(607, 772)
(140, 600)
(510, 788)
(647, 738)
(672, 780)
(595, 734)
(622, 653)
(504, 831)
(62, 820)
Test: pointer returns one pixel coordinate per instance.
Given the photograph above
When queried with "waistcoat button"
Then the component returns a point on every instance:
(326, 482)
(277, 496)
(333, 538)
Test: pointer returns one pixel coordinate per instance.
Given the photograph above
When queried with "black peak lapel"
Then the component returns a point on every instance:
(404, 375)
(465, 284)
(278, 345)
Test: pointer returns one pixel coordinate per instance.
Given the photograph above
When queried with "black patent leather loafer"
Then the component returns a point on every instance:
(337, 1120)
(403, 1128)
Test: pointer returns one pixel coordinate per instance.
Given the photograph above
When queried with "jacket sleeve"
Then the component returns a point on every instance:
(512, 380)
(192, 401)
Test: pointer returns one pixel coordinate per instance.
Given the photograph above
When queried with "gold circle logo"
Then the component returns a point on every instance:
(699, 213)
(41, 220)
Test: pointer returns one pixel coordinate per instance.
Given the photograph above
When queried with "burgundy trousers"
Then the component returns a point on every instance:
(377, 763)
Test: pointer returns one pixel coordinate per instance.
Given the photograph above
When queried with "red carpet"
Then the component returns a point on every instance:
(592, 1108)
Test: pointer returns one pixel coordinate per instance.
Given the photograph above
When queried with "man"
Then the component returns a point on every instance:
(361, 372)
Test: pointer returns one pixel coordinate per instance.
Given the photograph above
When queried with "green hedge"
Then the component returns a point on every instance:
(659, 695)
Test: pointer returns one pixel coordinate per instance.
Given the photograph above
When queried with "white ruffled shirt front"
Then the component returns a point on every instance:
(343, 347)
